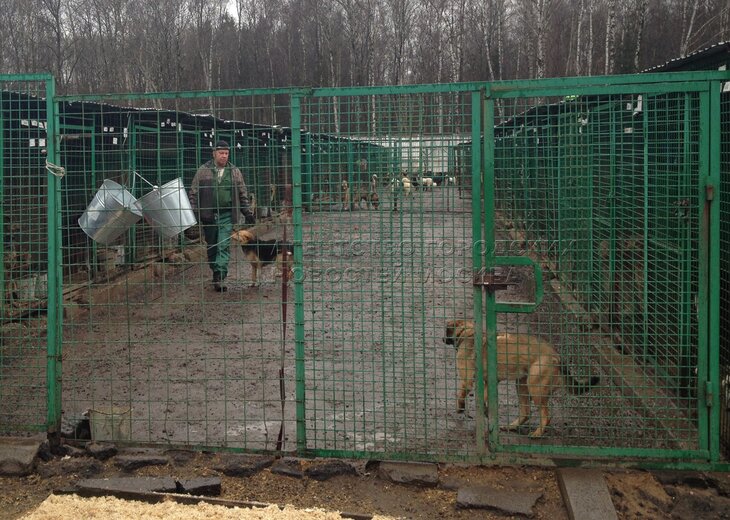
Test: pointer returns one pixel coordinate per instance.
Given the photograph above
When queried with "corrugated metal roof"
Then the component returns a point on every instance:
(713, 51)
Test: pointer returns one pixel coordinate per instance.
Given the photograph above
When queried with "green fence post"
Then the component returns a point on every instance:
(712, 194)
(55, 278)
(483, 182)
(296, 151)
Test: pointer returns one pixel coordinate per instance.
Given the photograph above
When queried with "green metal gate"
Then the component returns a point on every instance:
(611, 185)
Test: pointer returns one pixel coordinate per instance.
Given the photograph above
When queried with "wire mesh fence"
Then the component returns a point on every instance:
(724, 323)
(318, 319)
(150, 339)
(382, 279)
(24, 273)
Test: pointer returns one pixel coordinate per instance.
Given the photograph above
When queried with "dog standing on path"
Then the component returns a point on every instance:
(371, 199)
(345, 195)
(531, 362)
(371, 195)
(261, 253)
(406, 183)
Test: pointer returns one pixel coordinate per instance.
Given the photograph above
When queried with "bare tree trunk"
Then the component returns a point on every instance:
(208, 15)
(456, 23)
(501, 22)
(209, 67)
(688, 20)
(543, 16)
(127, 45)
(240, 13)
(401, 15)
(641, 13)
(487, 28)
(610, 41)
(255, 60)
(51, 12)
(579, 39)
(535, 18)
(591, 41)
(327, 49)
(358, 16)
(305, 70)
(204, 39)
(435, 29)
(498, 12)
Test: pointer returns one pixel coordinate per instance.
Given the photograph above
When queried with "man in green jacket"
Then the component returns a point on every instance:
(218, 194)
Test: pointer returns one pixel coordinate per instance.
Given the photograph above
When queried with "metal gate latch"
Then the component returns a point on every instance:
(492, 281)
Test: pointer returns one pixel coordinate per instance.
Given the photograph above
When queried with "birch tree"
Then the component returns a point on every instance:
(360, 18)
(609, 44)
(689, 14)
(161, 26)
(126, 45)
(535, 17)
(641, 13)
(207, 17)
(432, 40)
(62, 44)
(257, 22)
(488, 20)
(105, 27)
(328, 50)
(579, 44)
(401, 14)
(456, 38)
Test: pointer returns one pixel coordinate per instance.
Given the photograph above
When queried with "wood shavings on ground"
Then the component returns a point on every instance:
(73, 507)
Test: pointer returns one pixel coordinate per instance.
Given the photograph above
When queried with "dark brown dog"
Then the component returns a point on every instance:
(261, 253)
(531, 362)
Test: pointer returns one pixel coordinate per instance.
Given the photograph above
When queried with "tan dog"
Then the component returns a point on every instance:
(531, 362)
(345, 195)
(261, 253)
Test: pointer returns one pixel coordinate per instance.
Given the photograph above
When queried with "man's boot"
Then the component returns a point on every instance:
(218, 284)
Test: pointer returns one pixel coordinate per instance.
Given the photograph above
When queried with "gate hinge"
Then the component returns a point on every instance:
(710, 192)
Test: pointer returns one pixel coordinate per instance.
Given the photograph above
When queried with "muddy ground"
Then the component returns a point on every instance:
(197, 367)
(189, 366)
(635, 494)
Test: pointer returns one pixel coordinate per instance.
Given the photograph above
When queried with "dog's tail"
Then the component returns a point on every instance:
(576, 385)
